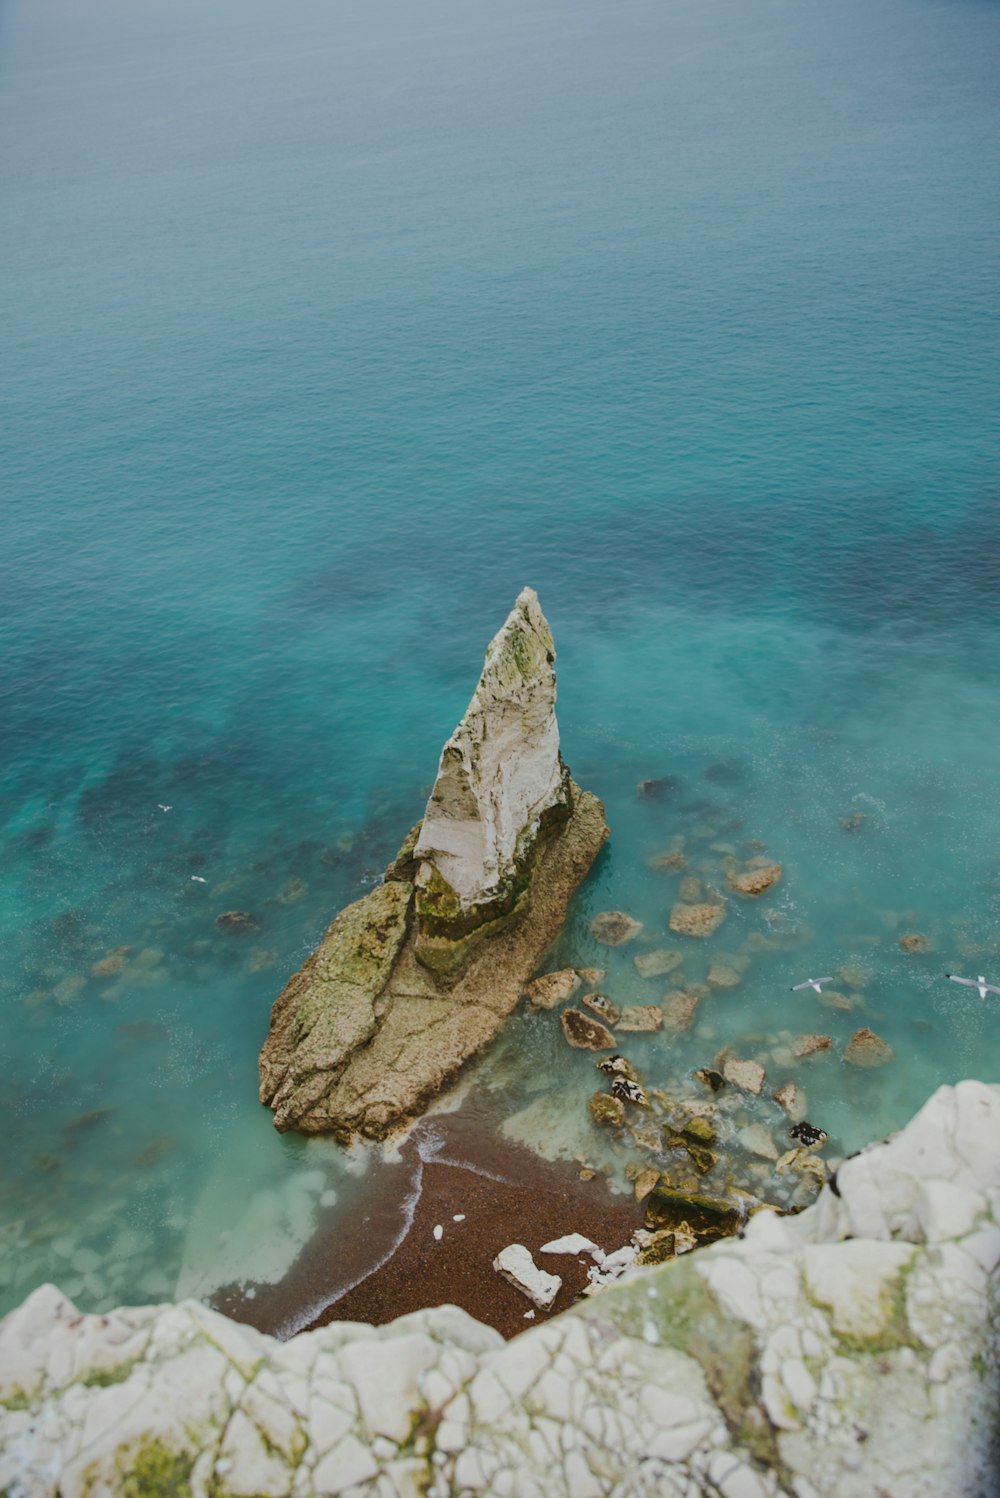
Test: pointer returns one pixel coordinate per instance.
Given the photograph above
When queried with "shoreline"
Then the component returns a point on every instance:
(385, 1261)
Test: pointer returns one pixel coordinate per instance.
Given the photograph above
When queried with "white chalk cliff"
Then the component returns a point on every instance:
(848, 1352)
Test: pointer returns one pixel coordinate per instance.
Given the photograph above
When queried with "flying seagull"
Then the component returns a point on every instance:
(164, 808)
(980, 983)
(198, 879)
(816, 983)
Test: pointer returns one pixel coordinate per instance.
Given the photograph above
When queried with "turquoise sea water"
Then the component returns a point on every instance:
(327, 328)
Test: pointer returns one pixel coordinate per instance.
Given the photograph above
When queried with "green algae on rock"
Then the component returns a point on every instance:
(412, 980)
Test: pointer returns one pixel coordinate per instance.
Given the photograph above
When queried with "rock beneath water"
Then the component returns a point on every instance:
(515, 1264)
(112, 963)
(236, 922)
(584, 1033)
(689, 889)
(553, 988)
(696, 920)
(601, 1005)
(721, 976)
(792, 1099)
(915, 942)
(754, 881)
(593, 974)
(708, 1217)
(748, 1075)
(640, 1018)
(414, 979)
(605, 1109)
(810, 1045)
(701, 1129)
(668, 861)
(678, 1009)
(656, 964)
(865, 1048)
(758, 1141)
(614, 928)
(659, 789)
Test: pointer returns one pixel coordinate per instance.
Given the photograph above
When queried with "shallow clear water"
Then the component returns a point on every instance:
(327, 328)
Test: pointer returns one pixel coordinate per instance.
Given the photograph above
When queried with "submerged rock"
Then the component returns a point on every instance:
(656, 964)
(237, 922)
(415, 978)
(748, 1075)
(614, 928)
(708, 1217)
(678, 1008)
(553, 988)
(640, 1018)
(754, 881)
(810, 1045)
(792, 1099)
(915, 942)
(865, 1048)
(584, 1033)
(696, 920)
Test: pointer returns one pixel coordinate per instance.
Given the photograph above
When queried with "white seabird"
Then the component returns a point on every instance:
(816, 983)
(164, 808)
(198, 879)
(980, 983)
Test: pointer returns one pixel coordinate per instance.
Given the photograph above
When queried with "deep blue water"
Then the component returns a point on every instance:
(328, 327)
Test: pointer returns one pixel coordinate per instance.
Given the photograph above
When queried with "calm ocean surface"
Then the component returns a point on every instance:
(329, 326)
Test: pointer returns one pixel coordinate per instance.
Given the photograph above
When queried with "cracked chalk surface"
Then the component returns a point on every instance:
(843, 1352)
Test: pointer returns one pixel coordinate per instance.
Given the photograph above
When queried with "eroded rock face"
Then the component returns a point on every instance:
(500, 780)
(411, 981)
(751, 1367)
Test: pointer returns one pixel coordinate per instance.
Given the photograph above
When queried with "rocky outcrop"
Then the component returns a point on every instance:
(840, 1353)
(409, 982)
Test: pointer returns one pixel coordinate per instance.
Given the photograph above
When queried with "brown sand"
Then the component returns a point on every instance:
(532, 1202)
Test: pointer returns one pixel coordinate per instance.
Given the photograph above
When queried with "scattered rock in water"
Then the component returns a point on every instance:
(678, 1009)
(553, 988)
(293, 891)
(745, 1074)
(916, 943)
(667, 862)
(700, 1156)
(700, 1129)
(832, 998)
(584, 1033)
(262, 958)
(617, 1066)
(721, 976)
(810, 1045)
(808, 1135)
(708, 1218)
(601, 1005)
(644, 1182)
(710, 1078)
(593, 974)
(640, 1018)
(605, 1109)
(515, 1264)
(236, 922)
(689, 889)
(629, 1092)
(657, 964)
(865, 1048)
(792, 1099)
(758, 1141)
(84, 1121)
(853, 822)
(662, 788)
(69, 990)
(726, 772)
(855, 975)
(754, 881)
(613, 928)
(112, 963)
(696, 920)
(156, 1150)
